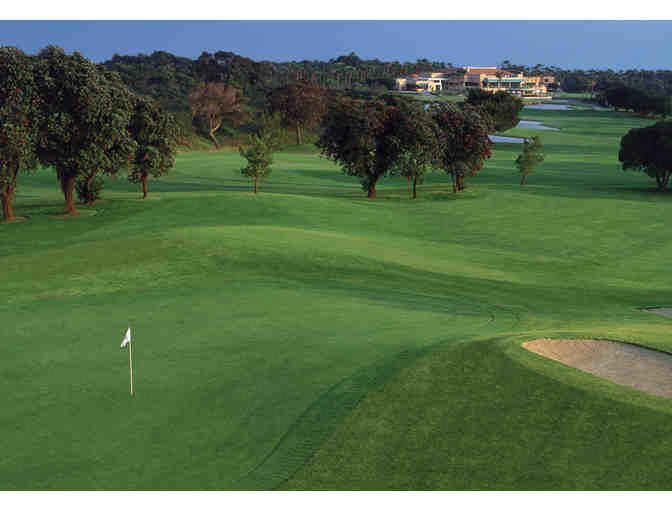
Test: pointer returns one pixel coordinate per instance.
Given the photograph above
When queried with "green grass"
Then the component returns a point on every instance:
(309, 338)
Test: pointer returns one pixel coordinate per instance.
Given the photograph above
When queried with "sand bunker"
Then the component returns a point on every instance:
(660, 311)
(630, 365)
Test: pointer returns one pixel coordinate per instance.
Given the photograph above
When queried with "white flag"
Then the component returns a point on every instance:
(127, 338)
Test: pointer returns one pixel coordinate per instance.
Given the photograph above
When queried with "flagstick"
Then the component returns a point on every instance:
(130, 362)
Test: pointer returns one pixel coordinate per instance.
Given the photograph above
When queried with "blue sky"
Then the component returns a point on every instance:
(566, 44)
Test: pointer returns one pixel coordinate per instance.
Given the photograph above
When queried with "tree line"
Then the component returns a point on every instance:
(63, 111)
(79, 118)
(388, 134)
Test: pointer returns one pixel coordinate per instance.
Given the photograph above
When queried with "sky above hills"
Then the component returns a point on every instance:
(566, 44)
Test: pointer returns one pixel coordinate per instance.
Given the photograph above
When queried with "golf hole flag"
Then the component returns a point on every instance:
(127, 338)
(127, 342)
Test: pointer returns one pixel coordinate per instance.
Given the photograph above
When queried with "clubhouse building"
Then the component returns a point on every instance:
(461, 80)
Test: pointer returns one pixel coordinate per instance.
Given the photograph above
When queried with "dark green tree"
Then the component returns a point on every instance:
(350, 133)
(622, 97)
(649, 150)
(503, 107)
(576, 82)
(368, 138)
(463, 142)
(83, 120)
(300, 105)
(529, 158)
(415, 132)
(18, 104)
(155, 133)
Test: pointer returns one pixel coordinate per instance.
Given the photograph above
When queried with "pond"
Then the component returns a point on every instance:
(546, 106)
(505, 139)
(533, 124)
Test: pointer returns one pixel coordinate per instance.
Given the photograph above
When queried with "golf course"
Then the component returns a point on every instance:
(309, 338)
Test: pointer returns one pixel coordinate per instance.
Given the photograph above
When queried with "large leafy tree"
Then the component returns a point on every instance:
(214, 102)
(504, 108)
(83, 119)
(18, 103)
(411, 128)
(300, 105)
(119, 150)
(370, 138)
(463, 142)
(155, 134)
(351, 130)
(649, 150)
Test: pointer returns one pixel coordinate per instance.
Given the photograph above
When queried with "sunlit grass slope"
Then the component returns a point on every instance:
(310, 338)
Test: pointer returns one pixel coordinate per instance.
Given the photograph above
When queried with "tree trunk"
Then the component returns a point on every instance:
(89, 182)
(214, 126)
(415, 182)
(460, 182)
(7, 195)
(214, 140)
(144, 186)
(523, 179)
(372, 191)
(298, 135)
(662, 180)
(68, 187)
(256, 184)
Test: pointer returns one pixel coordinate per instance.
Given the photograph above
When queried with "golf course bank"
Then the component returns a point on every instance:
(307, 337)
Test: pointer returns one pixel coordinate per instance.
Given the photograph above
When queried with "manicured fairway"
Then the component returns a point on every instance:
(309, 338)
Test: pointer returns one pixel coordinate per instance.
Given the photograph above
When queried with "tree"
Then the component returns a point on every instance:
(622, 97)
(300, 105)
(503, 107)
(649, 150)
(18, 103)
(416, 135)
(350, 132)
(259, 154)
(368, 138)
(118, 152)
(83, 119)
(576, 82)
(212, 102)
(155, 134)
(529, 158)
(463, 142)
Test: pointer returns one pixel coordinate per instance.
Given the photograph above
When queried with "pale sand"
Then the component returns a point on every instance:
(660, 311)
(644, 369)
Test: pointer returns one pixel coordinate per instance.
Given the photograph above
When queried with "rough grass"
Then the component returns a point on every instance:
(310, 338)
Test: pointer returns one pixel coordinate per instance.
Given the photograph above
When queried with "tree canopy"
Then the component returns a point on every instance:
(155, 135)
(18, 104)
(503, 107)
(638, 100)
(411, 129)
(368, 138)
(300, 105)
(83, 120)
(649, 150)
(463, 142)
(212, 102)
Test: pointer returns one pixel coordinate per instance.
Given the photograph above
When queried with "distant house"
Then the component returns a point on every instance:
(461, 80)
